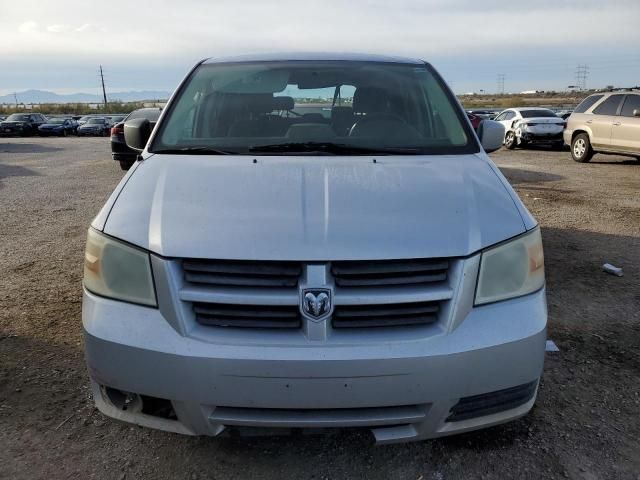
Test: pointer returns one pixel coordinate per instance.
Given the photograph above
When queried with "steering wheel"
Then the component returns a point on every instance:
(375, 124)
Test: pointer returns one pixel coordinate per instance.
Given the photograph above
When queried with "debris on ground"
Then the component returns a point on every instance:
(617, 271)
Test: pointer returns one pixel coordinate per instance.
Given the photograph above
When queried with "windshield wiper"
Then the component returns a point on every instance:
(193, 151)
(332, 148)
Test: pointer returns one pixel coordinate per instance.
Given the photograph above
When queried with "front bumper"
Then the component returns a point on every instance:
(404, 390)
(12, 131)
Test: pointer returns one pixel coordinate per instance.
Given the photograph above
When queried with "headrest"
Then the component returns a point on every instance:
(283, 103)
(370, 100)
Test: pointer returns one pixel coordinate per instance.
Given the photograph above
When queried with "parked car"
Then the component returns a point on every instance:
(119, 150)
(475, 120)
(22, 124)
(85, 119)
(95, 126)
(605, 123)
(533, 125)
(58, 126)
(258, 270)
(484, 114)
(113, 119)
(564, 114)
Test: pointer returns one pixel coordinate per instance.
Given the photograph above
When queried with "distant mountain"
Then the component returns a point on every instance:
(43, 96)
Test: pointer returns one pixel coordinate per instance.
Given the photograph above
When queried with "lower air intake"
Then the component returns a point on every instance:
(492, 402)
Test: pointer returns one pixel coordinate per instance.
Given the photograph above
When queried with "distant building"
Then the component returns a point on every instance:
(531, 92)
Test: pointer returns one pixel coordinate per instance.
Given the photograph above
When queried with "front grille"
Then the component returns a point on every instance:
(393, 315)
(388, 273)
(367, 294)
(240, 273)
(492, 402)
(247, 316)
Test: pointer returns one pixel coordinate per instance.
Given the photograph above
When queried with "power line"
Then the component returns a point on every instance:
(501, 77)
(582, 72)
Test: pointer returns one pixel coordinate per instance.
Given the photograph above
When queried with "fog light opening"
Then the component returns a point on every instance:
(122, 400)
(135, 403)
(158, 407)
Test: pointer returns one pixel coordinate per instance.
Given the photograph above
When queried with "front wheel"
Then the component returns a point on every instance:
(581, 150)
(510, 140)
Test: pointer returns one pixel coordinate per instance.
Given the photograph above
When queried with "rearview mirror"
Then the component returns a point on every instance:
(136, 133)
(491, 135)
(636, 113)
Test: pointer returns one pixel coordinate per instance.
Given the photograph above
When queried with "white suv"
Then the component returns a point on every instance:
(605, 123)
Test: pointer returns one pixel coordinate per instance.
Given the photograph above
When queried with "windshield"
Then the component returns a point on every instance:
(537, 113)
(94, 121)
(150, 114)
(56, 121)
(336, 107)
(16, 117)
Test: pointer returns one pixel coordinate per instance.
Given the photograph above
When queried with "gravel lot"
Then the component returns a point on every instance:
(586, 423)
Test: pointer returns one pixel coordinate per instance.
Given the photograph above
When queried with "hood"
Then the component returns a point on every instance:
(314, 208)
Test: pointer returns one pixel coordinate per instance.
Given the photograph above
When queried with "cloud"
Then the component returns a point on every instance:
(90, 27)
(27, 27)
(57, 28)
(481, 38)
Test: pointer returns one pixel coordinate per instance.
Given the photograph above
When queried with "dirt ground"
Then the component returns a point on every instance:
(586, 423)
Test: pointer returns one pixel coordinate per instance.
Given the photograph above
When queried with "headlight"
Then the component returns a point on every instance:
(511, 269)
(117, 270)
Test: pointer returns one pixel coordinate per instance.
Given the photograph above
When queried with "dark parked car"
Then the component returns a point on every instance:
(58, 126)
(475, 120)
(84, 119)
(95, 126)
(119, 150)
(22, 124)
(116, 118)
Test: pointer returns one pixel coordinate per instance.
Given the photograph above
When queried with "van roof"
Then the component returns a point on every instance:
(320, 56)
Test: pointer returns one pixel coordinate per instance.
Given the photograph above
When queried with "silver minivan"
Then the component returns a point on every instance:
(314, 241)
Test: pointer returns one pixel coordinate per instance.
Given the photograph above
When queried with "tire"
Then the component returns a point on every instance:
(510, 140)
(126, 164)
(558, 146)
(581, 150)
(64, 132)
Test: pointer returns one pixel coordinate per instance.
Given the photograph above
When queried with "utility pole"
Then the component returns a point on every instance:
(582, 72)
(15, 97)
(501, 77)
(104, 92)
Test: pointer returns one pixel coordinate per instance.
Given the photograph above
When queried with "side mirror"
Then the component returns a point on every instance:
(636, 113)
(136, 133)
(491, 135)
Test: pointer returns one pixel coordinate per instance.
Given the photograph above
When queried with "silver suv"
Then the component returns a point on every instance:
(314, 241)
(605, 123)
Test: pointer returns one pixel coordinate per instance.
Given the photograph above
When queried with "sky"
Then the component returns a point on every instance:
(151, 45)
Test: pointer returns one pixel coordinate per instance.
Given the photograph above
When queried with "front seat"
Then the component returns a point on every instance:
(373, 114)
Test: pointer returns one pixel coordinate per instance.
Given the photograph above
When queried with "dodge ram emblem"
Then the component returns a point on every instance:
(316, 303)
